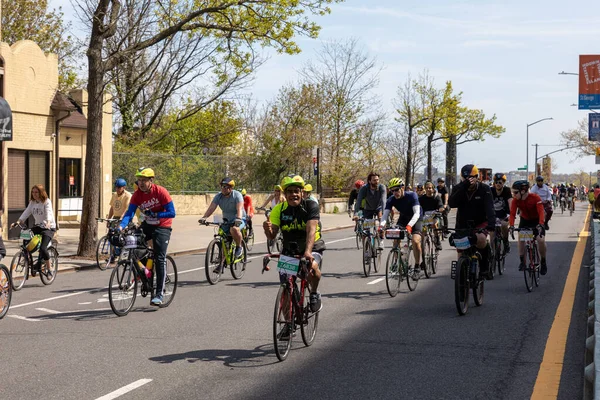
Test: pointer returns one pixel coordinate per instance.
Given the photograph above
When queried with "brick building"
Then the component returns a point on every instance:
(48, 143)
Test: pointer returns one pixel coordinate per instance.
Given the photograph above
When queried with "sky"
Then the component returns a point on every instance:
(504, 56)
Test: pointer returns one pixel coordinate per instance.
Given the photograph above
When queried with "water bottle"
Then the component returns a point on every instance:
(144, 269)
(149, 267)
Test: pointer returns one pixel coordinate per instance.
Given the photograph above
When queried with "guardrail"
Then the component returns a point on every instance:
(591, 386)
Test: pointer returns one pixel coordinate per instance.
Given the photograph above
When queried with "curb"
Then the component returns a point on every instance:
(178, 253)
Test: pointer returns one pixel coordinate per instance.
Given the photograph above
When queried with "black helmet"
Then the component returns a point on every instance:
(539, 178)
(499, 176)
(469, 170)
(441, 180)
(520, 184)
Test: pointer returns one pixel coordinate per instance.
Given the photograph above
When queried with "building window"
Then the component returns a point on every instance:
(69, 180)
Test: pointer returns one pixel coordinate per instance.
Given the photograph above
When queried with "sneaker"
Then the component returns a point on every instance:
(544, 267)
(285, 332)
(416, 272)
(521, 266)
(546, 226)
(315, 302)
(157, 301)
(218, 270)
(380, 245)
(238, 252)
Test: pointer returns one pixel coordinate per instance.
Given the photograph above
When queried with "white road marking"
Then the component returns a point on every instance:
(85, 303)
(339, 240)
(24, 318)
(46, 310)
(55, 298)
(125, 389)
(376, 281)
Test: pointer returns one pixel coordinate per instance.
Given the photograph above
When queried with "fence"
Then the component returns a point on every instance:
(592, 343)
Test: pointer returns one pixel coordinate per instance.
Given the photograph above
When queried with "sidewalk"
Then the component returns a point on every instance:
(187, 238)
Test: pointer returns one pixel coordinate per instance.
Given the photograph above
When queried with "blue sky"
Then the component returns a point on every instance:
(503, 55)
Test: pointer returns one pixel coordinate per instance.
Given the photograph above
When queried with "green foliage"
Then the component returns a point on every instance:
(336, 209)
(31, 20)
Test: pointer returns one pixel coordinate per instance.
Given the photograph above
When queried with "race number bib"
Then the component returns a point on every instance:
(288, 265)
(524, 236)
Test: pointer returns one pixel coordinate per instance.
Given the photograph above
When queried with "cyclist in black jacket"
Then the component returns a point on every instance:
(476, 207)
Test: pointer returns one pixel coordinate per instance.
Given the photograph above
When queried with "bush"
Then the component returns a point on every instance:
(336, 209)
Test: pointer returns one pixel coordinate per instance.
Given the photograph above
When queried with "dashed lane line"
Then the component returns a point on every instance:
(125, 389)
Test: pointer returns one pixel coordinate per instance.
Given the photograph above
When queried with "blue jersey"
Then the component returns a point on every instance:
(405, 206)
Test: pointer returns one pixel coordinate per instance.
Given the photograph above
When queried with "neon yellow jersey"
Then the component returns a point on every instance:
(292, 222)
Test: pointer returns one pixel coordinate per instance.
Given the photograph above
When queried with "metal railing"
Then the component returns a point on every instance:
(592, 342)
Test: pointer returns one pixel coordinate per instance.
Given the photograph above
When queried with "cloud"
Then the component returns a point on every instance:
(507, 44)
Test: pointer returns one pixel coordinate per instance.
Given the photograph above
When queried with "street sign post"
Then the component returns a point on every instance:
(522, 169)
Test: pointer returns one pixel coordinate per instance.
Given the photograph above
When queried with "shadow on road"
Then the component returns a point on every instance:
(239, 358)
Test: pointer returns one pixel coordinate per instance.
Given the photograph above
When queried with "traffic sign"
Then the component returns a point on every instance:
(522, 169)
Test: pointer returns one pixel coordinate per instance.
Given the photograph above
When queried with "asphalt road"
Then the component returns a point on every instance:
(214, 342)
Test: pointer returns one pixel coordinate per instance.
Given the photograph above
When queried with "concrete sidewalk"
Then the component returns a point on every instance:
(188, 237)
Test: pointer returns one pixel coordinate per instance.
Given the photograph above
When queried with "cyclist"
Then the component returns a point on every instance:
(298, 220)
(571, 189)
(373, 194)
(542, 190)
(354, 195)
(40, 207)
(420, 190)
(443, 192)
(156, 205)
(554, 195)
(411, 216)
(274, 198)
(307, 194)
(119, 203)
(474, 203)
(532, 216)
(231, 203)
(249, 209)
(431, 201)
(502, 198)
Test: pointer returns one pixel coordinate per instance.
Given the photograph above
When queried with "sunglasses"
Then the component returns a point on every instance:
(396, 190)
(225, 187)
(497, 182)
(472, 176)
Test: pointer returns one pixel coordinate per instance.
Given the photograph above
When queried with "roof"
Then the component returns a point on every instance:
(62, 102)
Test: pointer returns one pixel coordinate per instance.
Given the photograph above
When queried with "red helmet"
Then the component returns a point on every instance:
(359, 184)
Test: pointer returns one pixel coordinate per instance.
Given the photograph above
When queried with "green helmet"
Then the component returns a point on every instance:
(395, 182)
(292, 181)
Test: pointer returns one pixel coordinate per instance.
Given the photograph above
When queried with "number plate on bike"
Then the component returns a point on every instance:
(130, 242)
(525, 236)
(369, 223)
(428, 219)
(26, 234)
(288, 265)
(392, 233)
(462, 243)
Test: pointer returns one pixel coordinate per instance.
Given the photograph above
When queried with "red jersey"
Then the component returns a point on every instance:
(155, 200)
(531, 209)
(248, 206)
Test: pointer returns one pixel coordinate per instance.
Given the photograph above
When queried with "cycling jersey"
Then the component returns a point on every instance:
(544, 192)
(501, 202)
(475, 208)
(248, 207)
(158, 201)
(443, 192)
(531, 209)
(374, 199)
(228, 205)
(408, 206)
(433, 203)
(292, 223)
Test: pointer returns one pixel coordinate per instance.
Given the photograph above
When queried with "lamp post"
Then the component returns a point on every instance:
(527, 160)
(567, 73)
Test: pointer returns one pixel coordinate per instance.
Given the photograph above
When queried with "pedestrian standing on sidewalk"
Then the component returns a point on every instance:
(40, 207)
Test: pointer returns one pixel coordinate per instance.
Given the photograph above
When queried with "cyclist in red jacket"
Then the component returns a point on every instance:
(532, 216)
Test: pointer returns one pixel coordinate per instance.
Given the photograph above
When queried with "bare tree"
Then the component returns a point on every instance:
(577, 139)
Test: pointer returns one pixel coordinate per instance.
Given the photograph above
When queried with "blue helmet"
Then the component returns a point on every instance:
(120, 183)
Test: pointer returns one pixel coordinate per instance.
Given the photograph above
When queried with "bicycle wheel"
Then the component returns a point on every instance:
(357, 235)
(478, 290)
(170, 282)
(529, 269)
(310, 320)
(434, 254)
(48, 275)
(19, 270)
(105, 253)
(412, 279)
(367, 256)
(392, 273)
(461, 285)
(214, 262)
(536, 262)
(5, 290)
(377, 253)
(426, 253)
(249, 240)
(283, 317)
(122, 288)
(238, 269)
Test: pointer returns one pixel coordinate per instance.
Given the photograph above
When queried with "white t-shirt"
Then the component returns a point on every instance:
(42, 213)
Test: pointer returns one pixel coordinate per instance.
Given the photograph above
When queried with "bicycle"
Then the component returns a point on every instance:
(563, 202)
(358, 232)
(22, 263)
(131, 272)
(499, 254)
(466, 271)
(220, 255)
(276, 243)
(532, 255)
(371, 255)
(571, 205)
(248, 238)
(5, 290)
(429, 252)
(106, 252)
(292, 305)
(399, 261)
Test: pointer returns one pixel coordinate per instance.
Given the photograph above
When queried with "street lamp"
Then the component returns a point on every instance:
(528, 125)
(567, 73)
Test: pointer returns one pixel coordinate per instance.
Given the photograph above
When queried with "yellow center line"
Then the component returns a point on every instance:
(548, 378)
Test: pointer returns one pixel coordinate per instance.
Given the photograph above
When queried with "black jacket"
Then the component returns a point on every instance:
(477, 206)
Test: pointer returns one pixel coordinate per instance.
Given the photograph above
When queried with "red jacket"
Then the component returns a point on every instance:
(531, 209)
(248, 206)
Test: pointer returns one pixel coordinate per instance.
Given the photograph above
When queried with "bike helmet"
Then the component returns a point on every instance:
(440, 180)
(278, 187)
(358, 184)
(469, 170)
(243, 192)
(292, 181)
(539, 178)
(144, 172)
(395, 182)
(120, 183)
(228, 181)
(419, 186)
(499, 176)
(520, 184)
(308, 187)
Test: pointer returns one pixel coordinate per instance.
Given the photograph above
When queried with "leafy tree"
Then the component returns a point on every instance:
(31, 20)
(577, 139)
(237, 28)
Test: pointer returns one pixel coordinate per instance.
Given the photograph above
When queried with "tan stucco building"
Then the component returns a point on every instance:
(49, 135)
